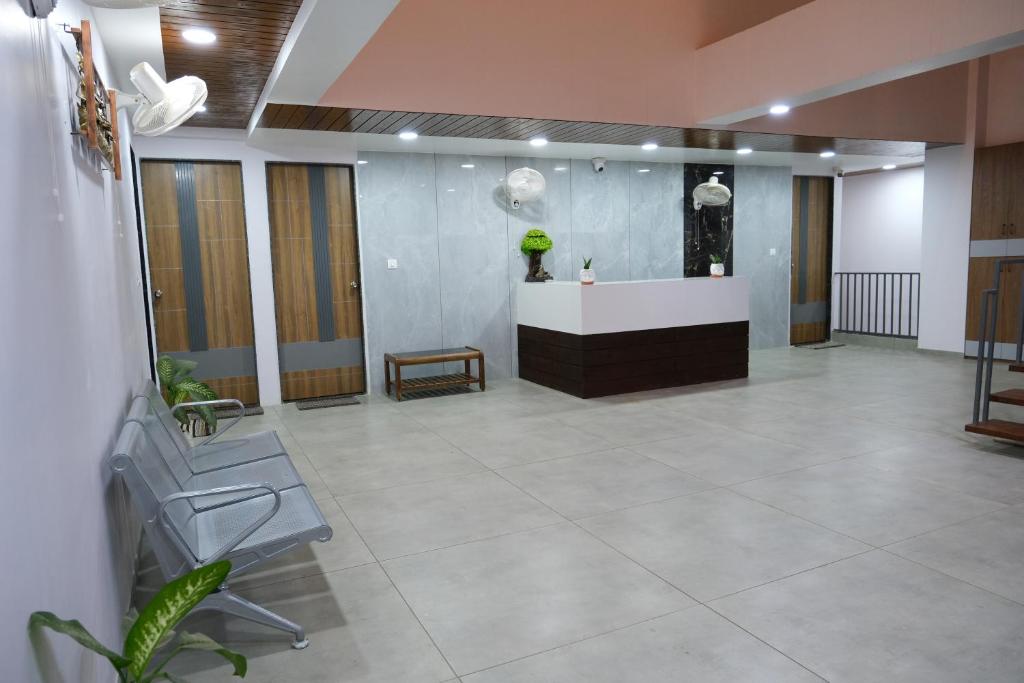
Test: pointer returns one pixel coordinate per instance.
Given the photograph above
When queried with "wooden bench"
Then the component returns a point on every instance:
(463, 353)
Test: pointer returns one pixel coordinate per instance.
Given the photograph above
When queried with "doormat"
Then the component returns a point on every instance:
(233, 412)
(326, 402)
(818, 346)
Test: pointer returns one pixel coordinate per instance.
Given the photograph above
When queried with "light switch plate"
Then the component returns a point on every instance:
(392, 264)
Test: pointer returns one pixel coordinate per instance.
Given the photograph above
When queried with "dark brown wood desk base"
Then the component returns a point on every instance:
(595, 365)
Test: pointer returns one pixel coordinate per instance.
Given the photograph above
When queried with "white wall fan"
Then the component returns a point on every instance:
(162, 106)
(711, 193)
(524, 185)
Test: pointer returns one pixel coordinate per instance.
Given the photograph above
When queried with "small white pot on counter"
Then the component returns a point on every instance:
(587, 276)
(717, 269)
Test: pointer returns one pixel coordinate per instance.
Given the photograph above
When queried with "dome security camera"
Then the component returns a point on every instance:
(598, 163)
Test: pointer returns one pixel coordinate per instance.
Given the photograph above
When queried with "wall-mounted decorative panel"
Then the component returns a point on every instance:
(761, 248)
(655, 221)
(600, 218)
(708, 230)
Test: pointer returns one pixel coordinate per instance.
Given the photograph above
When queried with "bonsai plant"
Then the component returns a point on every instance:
(587, 276)
(535, 243)
(179, 386)
(717, 267)
(152, 629)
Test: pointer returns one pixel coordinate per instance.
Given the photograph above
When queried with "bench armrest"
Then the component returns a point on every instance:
(216, 401)
(221, 490)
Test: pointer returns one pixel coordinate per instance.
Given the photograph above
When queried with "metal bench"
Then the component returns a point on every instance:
(213, 452)
(248, 522)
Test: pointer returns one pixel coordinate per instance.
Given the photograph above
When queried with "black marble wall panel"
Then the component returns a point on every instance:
(707, 231)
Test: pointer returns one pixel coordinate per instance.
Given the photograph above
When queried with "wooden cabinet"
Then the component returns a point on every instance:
(997, 204)
(981, 276)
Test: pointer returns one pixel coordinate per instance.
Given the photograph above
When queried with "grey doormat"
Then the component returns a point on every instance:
(326, 402)
(820, 345)
(233, 412)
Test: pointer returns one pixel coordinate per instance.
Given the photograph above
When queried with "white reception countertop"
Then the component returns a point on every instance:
(638, 305)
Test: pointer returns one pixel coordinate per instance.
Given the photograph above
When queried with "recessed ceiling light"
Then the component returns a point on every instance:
(408, 135)
(468, 165)
(560, 168)
(538, 142)
(718, 172)
(201, 36)
(201, 108)
(362, 161)
(744, 150)
(827, 154)
(648, 146)
(888, 167)
(643, 170)
(779, 109)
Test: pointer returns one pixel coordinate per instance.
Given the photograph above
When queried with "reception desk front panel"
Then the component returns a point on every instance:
(616, 338)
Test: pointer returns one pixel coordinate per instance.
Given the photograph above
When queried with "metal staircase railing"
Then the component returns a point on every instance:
(987, 340)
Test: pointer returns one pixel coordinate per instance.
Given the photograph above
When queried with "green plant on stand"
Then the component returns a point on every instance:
(180, 386)
(153, 629)
(535, 243)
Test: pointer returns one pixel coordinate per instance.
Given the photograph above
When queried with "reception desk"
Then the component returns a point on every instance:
(617, 337)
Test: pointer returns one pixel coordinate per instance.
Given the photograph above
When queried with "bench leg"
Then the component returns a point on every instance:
(480, 367)
(398, 382)
(387, 378)
(227, 602)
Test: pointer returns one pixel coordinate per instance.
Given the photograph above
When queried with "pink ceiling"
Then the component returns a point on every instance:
(596, 60)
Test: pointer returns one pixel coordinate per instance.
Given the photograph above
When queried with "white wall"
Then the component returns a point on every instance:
(72, 348)
(881, 222)
(945, 245)
(254, 153)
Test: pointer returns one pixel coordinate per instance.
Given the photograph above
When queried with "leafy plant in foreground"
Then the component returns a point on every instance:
(177, 381)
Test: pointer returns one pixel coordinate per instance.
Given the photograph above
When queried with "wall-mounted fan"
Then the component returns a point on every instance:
(162, 106)
(711, 193)
(523, 185)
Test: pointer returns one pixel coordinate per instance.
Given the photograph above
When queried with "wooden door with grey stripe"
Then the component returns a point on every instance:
(811, 279)
(199, 271)
(315, 252)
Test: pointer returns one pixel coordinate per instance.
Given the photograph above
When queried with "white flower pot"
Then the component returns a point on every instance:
(717, 269)
(587, 276)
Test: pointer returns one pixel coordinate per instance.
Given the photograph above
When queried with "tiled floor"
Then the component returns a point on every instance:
(826, 519)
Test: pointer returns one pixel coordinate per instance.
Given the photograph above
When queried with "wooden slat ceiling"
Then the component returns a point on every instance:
(236, 67)
(303, 117)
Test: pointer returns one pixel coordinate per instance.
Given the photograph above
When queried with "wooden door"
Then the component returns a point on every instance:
(199, 271)
(1013, 167)
(810, 283)
(316, 280)
(981, 276)
(988, 204)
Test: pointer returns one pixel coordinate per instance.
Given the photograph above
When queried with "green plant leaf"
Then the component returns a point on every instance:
(74, 629)
(166, 609)
(183, 368)
(199, 391)
(199, 641)
(165, 371)
(179, 395)
(535, 241)
(207, 415)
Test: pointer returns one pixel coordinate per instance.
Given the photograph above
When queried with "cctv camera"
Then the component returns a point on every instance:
(598, 163)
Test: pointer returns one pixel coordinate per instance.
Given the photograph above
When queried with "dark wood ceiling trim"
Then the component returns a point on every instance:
(304, 117)
(250, 34)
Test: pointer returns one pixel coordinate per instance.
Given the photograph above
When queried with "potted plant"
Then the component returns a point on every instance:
(587, 276)
(717, 267)
(179, 387)
(152, 629)
(535, 243)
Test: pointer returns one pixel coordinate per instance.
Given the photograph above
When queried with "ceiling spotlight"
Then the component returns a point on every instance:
(779, 109)
(827, 154)
(538, 142)
(643, 170)
(408, 135)
(744, 150)
(888, 167)
(200, 36)
(717, 172)
(468, 165)
(362, 161)
(648, 146)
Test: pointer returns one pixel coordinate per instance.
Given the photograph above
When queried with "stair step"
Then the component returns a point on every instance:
(1012, 396)
(1016, 367)
(999, 429)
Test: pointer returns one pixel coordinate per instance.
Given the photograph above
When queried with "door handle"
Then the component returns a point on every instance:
(158, 293)
(354, 284)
